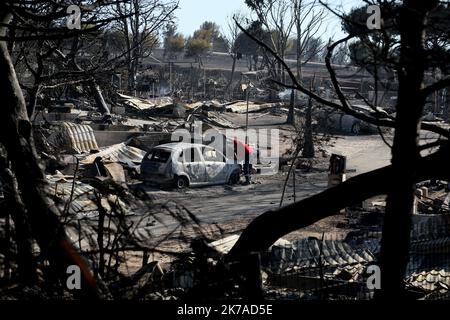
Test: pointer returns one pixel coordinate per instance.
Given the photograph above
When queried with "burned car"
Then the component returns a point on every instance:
(184, 164)
(339, 121)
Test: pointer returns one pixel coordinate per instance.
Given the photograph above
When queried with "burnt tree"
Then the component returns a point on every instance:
(35, 215)
(397, 181)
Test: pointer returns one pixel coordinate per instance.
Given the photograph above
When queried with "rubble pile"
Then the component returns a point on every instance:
(433, 197)
(93, 175)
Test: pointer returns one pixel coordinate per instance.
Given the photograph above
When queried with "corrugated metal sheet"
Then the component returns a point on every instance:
(144, 104)
(333, 252)
(215, 119)
(81, 137)
(82, 220)
(74, 138)
(310, 253)
(430, 280)
(440, 245)
(82, 204)
(241, 107)
(83, 201)
(117, 153)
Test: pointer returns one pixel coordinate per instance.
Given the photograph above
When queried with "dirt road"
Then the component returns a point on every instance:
(233, 207)
(364, 153)
(221, 205)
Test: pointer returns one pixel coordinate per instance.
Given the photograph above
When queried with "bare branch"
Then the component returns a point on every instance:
(441, 84)
(345, 108)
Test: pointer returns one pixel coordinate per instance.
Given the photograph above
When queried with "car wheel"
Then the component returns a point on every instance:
(181, 183)
(356, 128)
(234, 178)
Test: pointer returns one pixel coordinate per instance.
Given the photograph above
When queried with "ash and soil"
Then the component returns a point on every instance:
(226, 210)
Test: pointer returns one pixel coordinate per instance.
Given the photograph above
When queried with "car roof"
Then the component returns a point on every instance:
(179, 146)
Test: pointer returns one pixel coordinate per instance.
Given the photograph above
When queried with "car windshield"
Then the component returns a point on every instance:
(159, 155)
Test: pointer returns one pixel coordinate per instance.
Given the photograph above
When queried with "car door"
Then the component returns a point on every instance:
(155, 164)
(193, 165)
(215, 166)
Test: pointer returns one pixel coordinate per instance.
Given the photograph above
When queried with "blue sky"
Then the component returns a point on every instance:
(193, 12)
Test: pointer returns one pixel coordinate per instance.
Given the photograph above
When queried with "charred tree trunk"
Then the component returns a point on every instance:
(26, 264)
(308, 144)
(91, 83)
(297, 8)
(16, 136)
(230, 84)
(98, 97)
(308, 139)
(291, 113)
(132, 78)
(32, 100)
(405, 153)
(250, 63)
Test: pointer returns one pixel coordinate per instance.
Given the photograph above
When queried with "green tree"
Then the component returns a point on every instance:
(311, 51)
(206, 38)
(244, 46)
(211, 30)
(174, 42)
(197, 47)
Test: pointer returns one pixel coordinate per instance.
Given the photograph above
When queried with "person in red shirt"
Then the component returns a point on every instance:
(242, 151)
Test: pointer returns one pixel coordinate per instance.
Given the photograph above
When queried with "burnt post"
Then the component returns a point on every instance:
(338, 167)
